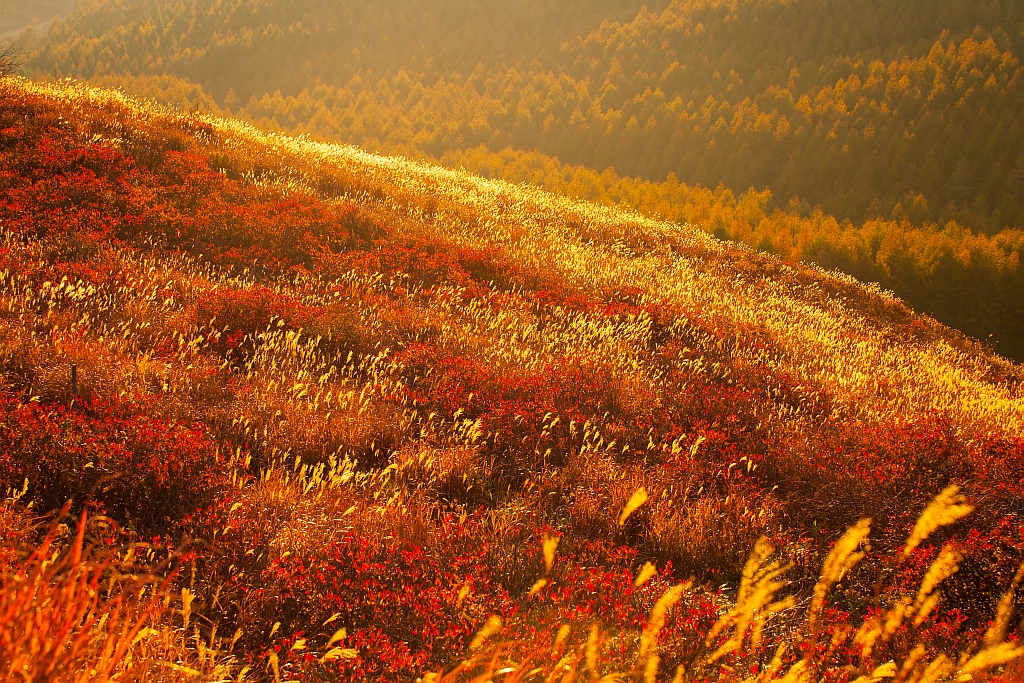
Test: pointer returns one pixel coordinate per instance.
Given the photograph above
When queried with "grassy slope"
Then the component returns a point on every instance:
(921, 149)
(848, 118)
(362, 384)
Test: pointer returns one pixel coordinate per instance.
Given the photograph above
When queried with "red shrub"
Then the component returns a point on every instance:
(140, 469)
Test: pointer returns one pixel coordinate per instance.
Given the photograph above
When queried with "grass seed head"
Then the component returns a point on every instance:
(634, 502)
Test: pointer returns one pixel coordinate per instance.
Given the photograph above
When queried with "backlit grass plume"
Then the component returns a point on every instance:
(735, 652)
(948, 507)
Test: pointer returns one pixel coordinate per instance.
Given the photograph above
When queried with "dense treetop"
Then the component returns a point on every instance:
(262, 46)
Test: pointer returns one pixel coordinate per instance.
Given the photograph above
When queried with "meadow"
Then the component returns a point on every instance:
(883, 140)
(340, 416)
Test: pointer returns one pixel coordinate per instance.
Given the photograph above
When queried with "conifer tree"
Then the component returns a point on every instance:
(960, 186)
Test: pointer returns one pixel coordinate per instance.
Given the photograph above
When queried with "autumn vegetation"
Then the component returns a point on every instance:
(882, 139)
(340, 416)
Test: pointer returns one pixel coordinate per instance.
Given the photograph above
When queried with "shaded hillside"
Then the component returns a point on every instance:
(348, 394)
(251, 48)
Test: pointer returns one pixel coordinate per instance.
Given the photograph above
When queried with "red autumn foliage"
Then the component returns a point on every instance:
(240, 325)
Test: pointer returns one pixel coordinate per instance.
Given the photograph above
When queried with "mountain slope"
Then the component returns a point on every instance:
(854, 108)
(883, 140)
(359, 391)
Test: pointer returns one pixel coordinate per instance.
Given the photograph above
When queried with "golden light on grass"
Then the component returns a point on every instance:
(755, 603)
(345, 450)
(843, 556)
(656, 622)
(493, 626)
(550, 545)
(948, 507)
(645, 574)
(634, 502)
(996, 633)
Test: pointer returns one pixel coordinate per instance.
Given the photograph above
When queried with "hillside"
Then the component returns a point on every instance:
(971, 282)
(326, 392)
(882, 139)
(853, 108)
(252, 48)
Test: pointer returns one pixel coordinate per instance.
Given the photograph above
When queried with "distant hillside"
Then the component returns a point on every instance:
(902, 121)
(16, 15)
(252, 47)
(356, 417)
(856, 107)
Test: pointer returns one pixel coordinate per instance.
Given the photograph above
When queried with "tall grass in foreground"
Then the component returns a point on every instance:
(64, 617)
(736, 643)
(72, 611)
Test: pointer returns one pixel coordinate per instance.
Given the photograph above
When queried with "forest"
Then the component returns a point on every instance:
(891, 119)
(854, 115)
